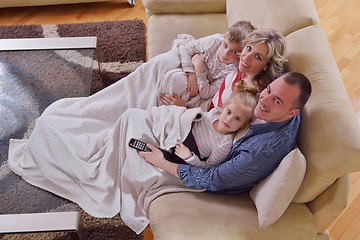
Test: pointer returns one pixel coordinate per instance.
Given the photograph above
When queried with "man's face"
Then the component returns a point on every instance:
(276, 101)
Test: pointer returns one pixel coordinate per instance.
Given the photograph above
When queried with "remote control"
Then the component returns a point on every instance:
(169, 155)
(139, 145)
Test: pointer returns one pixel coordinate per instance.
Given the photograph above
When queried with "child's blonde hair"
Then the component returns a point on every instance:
(245, 97)
(238, 32)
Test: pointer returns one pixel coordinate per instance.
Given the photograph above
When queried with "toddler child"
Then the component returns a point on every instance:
(214, 135)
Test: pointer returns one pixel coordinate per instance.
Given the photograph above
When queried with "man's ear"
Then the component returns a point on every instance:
(293, 112)
(252, 119)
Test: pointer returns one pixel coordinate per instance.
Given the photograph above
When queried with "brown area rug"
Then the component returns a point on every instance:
(121, 48)
(121, 45)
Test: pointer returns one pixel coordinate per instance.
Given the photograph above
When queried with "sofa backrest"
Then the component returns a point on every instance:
(291, 16)
(184, 6)
(330, 132)
(21, 3)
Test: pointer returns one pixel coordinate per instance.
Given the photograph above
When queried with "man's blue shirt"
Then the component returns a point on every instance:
(252, 158)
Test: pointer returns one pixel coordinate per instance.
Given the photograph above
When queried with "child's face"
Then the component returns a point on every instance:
(232, 118)
(229, 52)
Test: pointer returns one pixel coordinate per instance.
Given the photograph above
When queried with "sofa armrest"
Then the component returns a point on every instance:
(330, 203)
(184, 6)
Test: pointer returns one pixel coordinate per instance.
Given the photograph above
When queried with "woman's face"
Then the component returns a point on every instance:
(253, 58)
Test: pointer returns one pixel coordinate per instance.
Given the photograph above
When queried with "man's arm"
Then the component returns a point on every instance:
(156, 158)
(233, 174)
(243, 167)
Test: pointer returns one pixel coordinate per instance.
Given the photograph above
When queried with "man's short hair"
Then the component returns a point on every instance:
(304, 84)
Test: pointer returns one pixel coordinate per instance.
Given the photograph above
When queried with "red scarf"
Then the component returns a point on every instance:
(222, 88)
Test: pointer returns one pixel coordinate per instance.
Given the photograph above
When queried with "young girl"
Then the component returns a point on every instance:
(215, 134)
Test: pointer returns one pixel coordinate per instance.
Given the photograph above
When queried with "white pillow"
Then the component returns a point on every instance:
(273, 194)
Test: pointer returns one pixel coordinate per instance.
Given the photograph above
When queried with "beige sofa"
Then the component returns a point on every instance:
(26, 3)
(329, 136)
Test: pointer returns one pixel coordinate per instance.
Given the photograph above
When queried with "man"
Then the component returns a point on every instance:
(259, 152)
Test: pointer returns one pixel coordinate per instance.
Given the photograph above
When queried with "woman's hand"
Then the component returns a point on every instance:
(182, 151)
(168, 99)
(156, 158)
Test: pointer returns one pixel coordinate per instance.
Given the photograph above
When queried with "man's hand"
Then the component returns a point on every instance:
(168, 99)
(156, 158)
(192, 84)
(182, 151)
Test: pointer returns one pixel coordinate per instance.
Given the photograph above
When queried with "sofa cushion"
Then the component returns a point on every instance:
(18, 3)
(184, 6)
(330, 204)
(291, 16)
(330, 132)
(274, 194)
(175, 24)
(195, 216)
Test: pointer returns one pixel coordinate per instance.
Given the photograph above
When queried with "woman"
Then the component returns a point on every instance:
(261, 61)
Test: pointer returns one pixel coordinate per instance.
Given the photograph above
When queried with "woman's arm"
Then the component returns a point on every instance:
(156, 158)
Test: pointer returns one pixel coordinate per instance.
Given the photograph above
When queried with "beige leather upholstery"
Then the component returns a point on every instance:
(329, 135)
(173, 24)
(284, 16)
(195, 216)
(22, 3)
(184, 6)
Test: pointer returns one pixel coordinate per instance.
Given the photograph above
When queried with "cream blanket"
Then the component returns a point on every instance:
(96, 169)
(79, 146)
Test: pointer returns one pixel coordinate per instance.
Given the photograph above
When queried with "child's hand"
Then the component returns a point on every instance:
(182, 151)
(168, 99)
(198, 60)
(192, 84)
